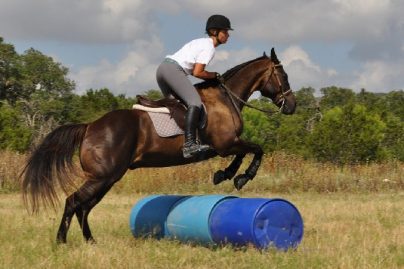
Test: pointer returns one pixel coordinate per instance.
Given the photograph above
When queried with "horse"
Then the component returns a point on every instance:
(126, 139)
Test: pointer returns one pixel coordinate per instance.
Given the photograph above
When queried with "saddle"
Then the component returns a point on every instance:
(176, 108)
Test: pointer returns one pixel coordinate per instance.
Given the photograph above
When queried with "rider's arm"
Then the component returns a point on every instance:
(200, 72)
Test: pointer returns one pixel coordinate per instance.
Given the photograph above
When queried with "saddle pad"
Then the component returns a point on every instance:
(164, 124)
(151, 109)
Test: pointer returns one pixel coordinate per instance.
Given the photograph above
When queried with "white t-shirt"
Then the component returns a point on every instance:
(199, 50)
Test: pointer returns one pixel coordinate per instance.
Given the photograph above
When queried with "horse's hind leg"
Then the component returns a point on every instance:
(84, 209)
(230, 171)
(70, 207)
(75, 202)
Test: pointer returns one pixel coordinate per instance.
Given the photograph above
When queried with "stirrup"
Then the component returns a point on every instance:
(190, 150)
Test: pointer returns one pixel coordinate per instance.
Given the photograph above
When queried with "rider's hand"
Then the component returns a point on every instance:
(219, 78)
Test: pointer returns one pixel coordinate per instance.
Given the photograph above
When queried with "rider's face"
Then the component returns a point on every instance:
(223, 36)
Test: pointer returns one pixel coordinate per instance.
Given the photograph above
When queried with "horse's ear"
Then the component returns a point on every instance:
(265, 55)
(274, 57)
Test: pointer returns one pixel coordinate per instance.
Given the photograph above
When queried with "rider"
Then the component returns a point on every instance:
(192, 59)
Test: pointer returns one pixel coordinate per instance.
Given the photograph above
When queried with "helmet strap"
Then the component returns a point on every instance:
(216, 35)
(218, 40)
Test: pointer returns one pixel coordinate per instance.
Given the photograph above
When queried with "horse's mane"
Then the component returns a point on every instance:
(228, 74)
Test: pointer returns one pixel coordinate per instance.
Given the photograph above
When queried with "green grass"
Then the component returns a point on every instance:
(341, 231)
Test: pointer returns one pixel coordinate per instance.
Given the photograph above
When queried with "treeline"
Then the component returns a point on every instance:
(340, 126)
(36, 96)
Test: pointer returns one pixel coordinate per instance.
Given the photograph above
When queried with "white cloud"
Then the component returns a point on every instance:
(295, 53)
(362, 6)
(291, 21)
(221, 55)
(379, 76)
(373, 28)
(87, 21)
(133, 74)
(226, 59)
(268, 20)
(302, 71)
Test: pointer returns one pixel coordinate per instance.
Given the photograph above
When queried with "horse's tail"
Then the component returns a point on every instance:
(49, 164)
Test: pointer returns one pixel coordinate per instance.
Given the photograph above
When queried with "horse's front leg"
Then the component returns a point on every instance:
(251, 171)
(230, 171)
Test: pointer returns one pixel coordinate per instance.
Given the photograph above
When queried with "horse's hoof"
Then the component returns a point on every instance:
(219, 177)
(60, 241)
(91, 241)
(240, 181)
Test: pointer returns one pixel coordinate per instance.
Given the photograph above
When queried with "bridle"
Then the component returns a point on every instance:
(282, 96)
(281, 99)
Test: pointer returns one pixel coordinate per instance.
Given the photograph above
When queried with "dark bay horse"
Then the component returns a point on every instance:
(126, 139)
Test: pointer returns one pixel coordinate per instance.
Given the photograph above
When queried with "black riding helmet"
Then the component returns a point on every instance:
(218, 22)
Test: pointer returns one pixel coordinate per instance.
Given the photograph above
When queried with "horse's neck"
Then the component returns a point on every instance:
(244, 83)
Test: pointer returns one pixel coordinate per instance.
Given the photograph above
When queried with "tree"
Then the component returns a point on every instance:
(259, 127)
(41, 113)
(308, 107)
(41, 73)
(348, 134)
(292, 135)
(374, 102)
(393, 140)
(14, 134)
(306, 101)
(334, 96)
(153, 94)
(10, 76)
(393, 102)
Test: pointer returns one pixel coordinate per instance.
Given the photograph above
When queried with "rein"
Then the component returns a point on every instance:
(234, 96)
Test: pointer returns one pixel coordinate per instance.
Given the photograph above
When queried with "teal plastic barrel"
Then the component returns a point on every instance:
(148, 217)
(257, 221)
(188, 221)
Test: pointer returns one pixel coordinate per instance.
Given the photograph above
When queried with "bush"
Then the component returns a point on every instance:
(348, 134)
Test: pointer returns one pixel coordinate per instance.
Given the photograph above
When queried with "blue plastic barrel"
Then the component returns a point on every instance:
(261, 222)
(148, 217)
(188, 221)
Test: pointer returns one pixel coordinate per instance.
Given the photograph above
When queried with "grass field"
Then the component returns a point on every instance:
(353, 218)
(341, 231)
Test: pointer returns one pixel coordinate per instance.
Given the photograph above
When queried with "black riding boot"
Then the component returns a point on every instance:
(191, 146)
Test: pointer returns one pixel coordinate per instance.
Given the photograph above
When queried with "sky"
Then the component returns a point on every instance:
(118, 44)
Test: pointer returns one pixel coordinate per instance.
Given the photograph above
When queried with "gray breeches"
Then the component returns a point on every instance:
(173, 80)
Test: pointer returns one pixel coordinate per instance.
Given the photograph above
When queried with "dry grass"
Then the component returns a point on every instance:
(11, 164)
(341, 231)
(279, 173)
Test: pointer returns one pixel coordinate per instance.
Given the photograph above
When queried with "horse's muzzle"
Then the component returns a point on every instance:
(289, 105)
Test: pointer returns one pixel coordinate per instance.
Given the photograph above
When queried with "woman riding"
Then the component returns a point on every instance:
(192, 59)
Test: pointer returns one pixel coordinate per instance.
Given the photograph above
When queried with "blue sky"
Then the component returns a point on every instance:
(119, 43)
